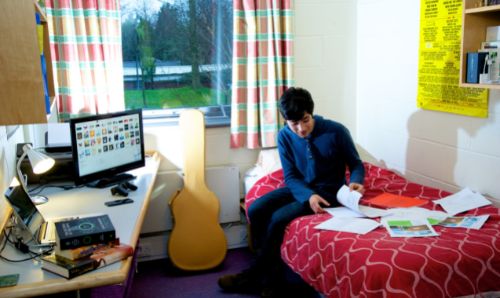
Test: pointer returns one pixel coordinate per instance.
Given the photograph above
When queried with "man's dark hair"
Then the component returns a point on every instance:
(295, 102)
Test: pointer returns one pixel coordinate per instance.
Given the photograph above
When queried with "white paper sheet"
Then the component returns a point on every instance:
(343, 212)
(351, 225)
(462, 201)
(416, 213)
(348, 198)
(373, 212)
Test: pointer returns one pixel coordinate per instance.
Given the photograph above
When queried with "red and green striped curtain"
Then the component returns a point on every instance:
(262, 70)
(87, 56)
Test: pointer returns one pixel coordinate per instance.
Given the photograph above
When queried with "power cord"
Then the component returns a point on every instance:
(38, 189)
(21, 246)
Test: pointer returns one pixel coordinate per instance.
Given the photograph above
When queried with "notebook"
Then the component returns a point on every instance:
(29, 218)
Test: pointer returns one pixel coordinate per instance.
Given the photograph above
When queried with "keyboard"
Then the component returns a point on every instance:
(47, 233)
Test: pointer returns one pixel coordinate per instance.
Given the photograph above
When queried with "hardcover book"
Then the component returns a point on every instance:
(68, 268)
(102, 256)
(84, 231)
(82, 251)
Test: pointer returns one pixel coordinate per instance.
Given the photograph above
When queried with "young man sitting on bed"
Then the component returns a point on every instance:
(314, 153)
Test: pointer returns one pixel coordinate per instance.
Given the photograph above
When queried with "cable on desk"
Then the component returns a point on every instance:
(33, 255)
(38, 189)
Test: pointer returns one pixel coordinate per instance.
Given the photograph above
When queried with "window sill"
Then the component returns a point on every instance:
(215, 116)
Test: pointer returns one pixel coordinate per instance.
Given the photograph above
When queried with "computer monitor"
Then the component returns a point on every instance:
(107, 145)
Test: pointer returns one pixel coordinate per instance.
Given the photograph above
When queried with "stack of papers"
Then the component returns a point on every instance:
(348, 218)
(403, 222)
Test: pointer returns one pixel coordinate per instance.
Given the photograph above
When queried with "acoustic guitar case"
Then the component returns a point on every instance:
(197, 241)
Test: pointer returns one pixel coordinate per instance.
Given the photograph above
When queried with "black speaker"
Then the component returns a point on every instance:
(62, 171)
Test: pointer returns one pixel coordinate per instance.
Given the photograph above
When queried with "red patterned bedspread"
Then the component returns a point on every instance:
(458, 262)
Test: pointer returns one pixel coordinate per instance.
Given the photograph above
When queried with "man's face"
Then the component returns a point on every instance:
(302, 127)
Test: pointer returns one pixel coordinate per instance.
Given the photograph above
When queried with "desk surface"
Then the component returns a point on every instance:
(127, 220)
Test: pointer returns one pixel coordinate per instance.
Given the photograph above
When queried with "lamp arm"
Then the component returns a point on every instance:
(20, 175)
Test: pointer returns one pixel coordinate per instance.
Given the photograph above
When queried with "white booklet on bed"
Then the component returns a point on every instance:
(348, 218)
(405, 227)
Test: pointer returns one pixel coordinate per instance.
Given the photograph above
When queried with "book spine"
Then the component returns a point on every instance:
(77, 271)
(77, 241)
(472, 68)
(77, 253)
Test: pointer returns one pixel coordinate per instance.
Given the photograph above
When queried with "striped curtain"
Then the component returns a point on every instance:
(262, 70)
(85, 37)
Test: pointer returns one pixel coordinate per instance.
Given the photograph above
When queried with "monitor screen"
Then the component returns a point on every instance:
(106, 145)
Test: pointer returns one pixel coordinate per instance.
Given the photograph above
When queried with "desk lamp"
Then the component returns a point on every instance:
(40, 163)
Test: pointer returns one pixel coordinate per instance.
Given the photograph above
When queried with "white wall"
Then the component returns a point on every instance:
(325, 56)
(7, 163)
(359, 59)
(434, 148)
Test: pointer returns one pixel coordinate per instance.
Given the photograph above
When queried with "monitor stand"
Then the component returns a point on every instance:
(116, 179)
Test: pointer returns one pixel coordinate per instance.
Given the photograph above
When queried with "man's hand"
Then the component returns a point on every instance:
(315, 202)
(357, 187)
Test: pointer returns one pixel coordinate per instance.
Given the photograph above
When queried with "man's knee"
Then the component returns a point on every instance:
(252, 212)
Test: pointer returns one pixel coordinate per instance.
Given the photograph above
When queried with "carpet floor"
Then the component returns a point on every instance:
(160, 278)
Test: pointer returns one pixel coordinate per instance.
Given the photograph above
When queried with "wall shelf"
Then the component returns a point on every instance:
(474, 24)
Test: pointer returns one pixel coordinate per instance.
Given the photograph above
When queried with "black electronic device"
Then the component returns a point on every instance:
(118, 202)
(128, 185)
(106, 146)
(119, 190)
(62, 171)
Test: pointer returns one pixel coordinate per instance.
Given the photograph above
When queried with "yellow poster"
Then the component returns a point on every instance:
(439, 62)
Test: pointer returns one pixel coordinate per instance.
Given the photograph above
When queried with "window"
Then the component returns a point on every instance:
(177, 54)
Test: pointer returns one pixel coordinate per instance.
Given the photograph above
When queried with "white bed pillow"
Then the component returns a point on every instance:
(268, 161)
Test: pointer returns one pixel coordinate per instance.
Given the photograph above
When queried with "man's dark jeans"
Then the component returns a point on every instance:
(269, 216)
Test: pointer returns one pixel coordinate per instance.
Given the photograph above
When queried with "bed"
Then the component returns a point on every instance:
(458, 262)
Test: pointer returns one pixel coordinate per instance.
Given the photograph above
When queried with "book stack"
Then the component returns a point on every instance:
(483, 66)
(83, 245)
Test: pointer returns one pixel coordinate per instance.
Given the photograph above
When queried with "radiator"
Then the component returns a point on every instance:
(224, 181)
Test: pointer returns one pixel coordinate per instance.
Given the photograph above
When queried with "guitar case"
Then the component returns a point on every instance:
(197, 241)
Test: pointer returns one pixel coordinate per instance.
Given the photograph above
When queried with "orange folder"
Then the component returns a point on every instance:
(390, 200)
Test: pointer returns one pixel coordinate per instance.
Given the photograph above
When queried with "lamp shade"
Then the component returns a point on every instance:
(40, 162)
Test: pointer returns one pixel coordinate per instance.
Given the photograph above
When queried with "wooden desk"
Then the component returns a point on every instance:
(127, 220)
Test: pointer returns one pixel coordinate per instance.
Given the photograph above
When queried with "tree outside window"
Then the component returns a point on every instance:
(177, 53)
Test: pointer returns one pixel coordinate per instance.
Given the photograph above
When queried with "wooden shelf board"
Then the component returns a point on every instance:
(488, 86)
(482, 9)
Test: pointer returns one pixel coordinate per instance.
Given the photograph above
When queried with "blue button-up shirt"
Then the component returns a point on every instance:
(317, 163)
